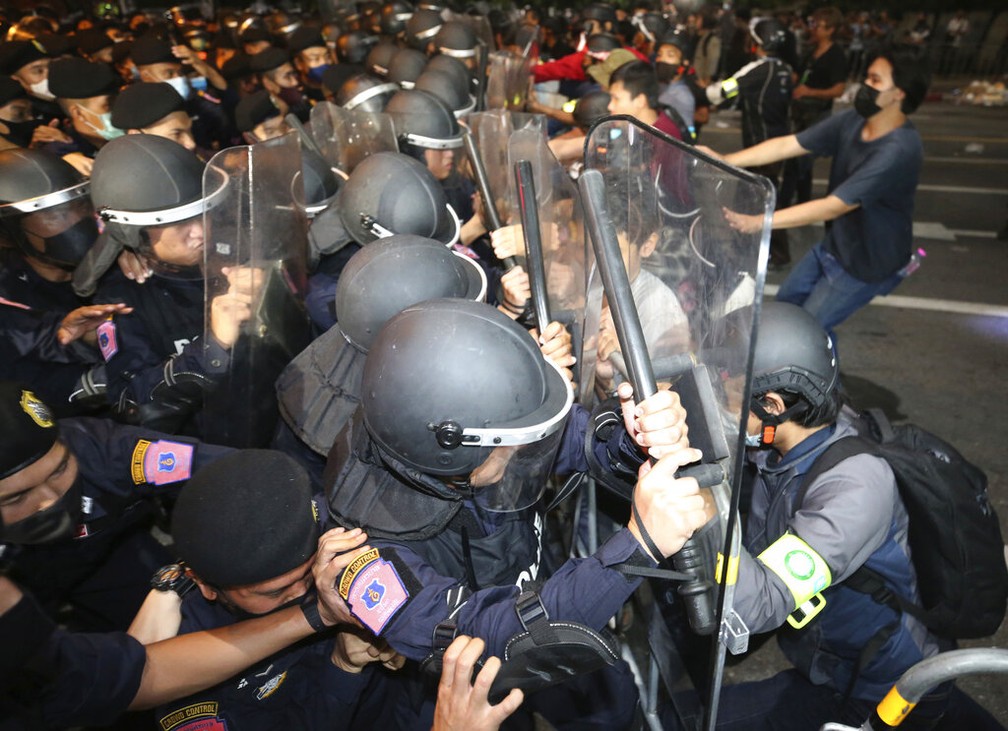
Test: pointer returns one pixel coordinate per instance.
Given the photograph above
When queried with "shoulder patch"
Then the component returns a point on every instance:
(161, 462)
(373, 589)
(202, 716)
(107, 343)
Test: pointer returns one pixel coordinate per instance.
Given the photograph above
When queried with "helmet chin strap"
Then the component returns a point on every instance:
(769, 422)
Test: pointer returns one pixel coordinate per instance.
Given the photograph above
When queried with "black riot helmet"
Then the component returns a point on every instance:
(146, 180)
(445, 88)
(380, 58)
(768, 33)
(600, 45)
(44, 207)
(794, 355)
(391, 274)
(394, 16)
(453, 67)
(319, 182)
(319, 391)
(365, 92)
(391, 193)
(422, 27)
(423, 121)
(456, 390)
(456, 39)
(406, 66)
(602, 12)
(680, 40)
(354, 47)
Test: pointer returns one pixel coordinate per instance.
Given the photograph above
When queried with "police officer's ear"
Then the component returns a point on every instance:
(209, 592)
(773, 403)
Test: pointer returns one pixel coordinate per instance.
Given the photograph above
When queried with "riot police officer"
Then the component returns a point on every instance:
(76, 506)
(445, 476)
(158, 365)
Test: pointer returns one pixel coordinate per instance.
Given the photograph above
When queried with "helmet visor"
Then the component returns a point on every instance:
(513, 477)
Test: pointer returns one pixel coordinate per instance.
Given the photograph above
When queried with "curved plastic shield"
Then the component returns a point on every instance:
(346, 137)
(254, 257)
(492, 131)
(693, 235)
(561, 226)
(507, 80)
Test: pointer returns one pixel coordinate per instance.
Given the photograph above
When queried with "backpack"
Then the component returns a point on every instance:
(954, 534)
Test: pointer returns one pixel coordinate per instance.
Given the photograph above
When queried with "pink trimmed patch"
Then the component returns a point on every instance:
(166, 462)
(107, 343)
(376, 594)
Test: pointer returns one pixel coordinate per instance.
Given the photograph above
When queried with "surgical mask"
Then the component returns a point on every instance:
(20, 133)
(753, 440)
(666, 72)
(106, 131)
(315, 72)
(57, 522)
(67, 248)
(181, 85)
(865, 102)
(41, 90)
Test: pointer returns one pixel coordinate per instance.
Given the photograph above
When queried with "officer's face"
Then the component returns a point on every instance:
(266, 596)
(180, 244)
(19, 110)
(155, 72)
(32, 73)
(283, 77)
(38, 485)
(440, 162)
(309, 58)
(176, 127)
(53, 221)
(669, 54)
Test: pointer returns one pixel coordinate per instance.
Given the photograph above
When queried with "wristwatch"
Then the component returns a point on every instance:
(172, 578)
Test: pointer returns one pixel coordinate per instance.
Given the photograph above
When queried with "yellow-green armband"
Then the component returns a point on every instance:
(802, 570)
(729, 88)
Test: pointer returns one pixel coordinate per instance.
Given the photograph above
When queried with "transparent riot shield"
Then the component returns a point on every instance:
(345, 137)
(507, 80)
(657, 211)
(492, 132)
(254, 262)
(561, 229)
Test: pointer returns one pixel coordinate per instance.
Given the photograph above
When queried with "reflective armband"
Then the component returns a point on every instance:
(802, 570)
(733, 564)
(729, 88)
(570, 106)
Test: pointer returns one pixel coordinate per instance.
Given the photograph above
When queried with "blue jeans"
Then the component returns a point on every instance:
(820, 285)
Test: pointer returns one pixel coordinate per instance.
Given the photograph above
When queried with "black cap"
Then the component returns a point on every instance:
(246, 518)
(255, 109)
(150, 49)
(304, 37)
(253, 33)
(28, 426)
(16, 54)
(75, 78)
(268, 59)
(236, 67)
(10, 90)
(142, 104)
(335, 76)
(92, 40)
(121, 51)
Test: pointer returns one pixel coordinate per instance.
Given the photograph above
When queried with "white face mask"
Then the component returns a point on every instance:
(753, 440)
(106, 131)
(41, 90)
(181, 85)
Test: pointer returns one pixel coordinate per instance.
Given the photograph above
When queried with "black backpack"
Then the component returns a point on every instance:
(954, 534)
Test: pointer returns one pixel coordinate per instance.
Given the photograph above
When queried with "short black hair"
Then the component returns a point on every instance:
(911, 75)
(638, 77)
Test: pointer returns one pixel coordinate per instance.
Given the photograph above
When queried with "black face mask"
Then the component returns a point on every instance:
(292, 96)
(20, 132)
(57, 522)
(666, 72)
(67, 248)
(865, 101)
